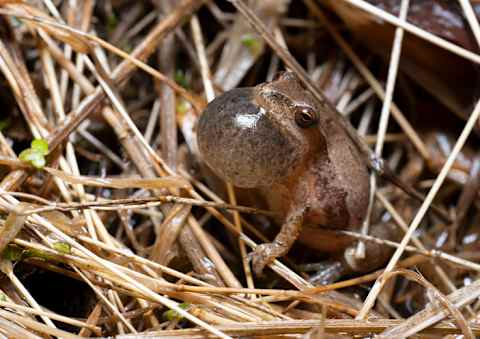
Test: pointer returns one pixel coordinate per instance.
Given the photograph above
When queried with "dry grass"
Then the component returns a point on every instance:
(122, 232)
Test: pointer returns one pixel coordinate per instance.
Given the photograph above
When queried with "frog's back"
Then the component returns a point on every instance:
(341, 182)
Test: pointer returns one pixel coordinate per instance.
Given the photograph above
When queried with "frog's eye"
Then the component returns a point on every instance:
(305, 117)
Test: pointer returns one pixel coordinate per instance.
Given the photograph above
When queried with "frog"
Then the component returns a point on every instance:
(278, 139)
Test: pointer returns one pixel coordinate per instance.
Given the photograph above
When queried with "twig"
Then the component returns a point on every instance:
(370, 300)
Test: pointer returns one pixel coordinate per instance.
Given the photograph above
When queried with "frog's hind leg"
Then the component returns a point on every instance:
(376, 254)
(265, 254)
(345, 263)
(327, 272)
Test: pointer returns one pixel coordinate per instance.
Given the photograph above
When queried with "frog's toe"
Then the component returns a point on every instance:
(327, 272)
(261, 257)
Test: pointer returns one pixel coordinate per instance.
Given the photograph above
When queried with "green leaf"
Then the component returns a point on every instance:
(62, 247)
(33, 157)
(13, 253)
(173, 315)
(253, 44)
(25, 155)
(39, 161)
(40, 145)
(112, 22)
(181, 79)
(16, 23)
(182, 106)
(4, 124)
(3, 297)
(28, 155)
(36, 253)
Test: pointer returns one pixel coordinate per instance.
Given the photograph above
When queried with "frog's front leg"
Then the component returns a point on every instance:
(265, 254)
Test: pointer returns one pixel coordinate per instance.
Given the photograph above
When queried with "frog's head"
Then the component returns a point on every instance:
(287, 101)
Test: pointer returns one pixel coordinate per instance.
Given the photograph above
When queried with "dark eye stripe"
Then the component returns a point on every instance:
(278, 97)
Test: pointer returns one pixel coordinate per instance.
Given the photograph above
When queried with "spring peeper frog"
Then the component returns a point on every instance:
(275, 137)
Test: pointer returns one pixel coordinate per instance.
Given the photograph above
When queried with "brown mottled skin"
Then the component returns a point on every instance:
(309, 173)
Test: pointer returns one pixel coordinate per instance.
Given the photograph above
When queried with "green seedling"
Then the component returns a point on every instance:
(35, 155)
(173, 315)
(253, 44)
(183, 106)
(112, 22)
(181, 78)
(13, 253)
(4, 124)
(62, 247)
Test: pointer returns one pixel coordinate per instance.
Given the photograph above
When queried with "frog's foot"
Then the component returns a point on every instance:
(327, 272)
(376, 253)
(264, 255)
